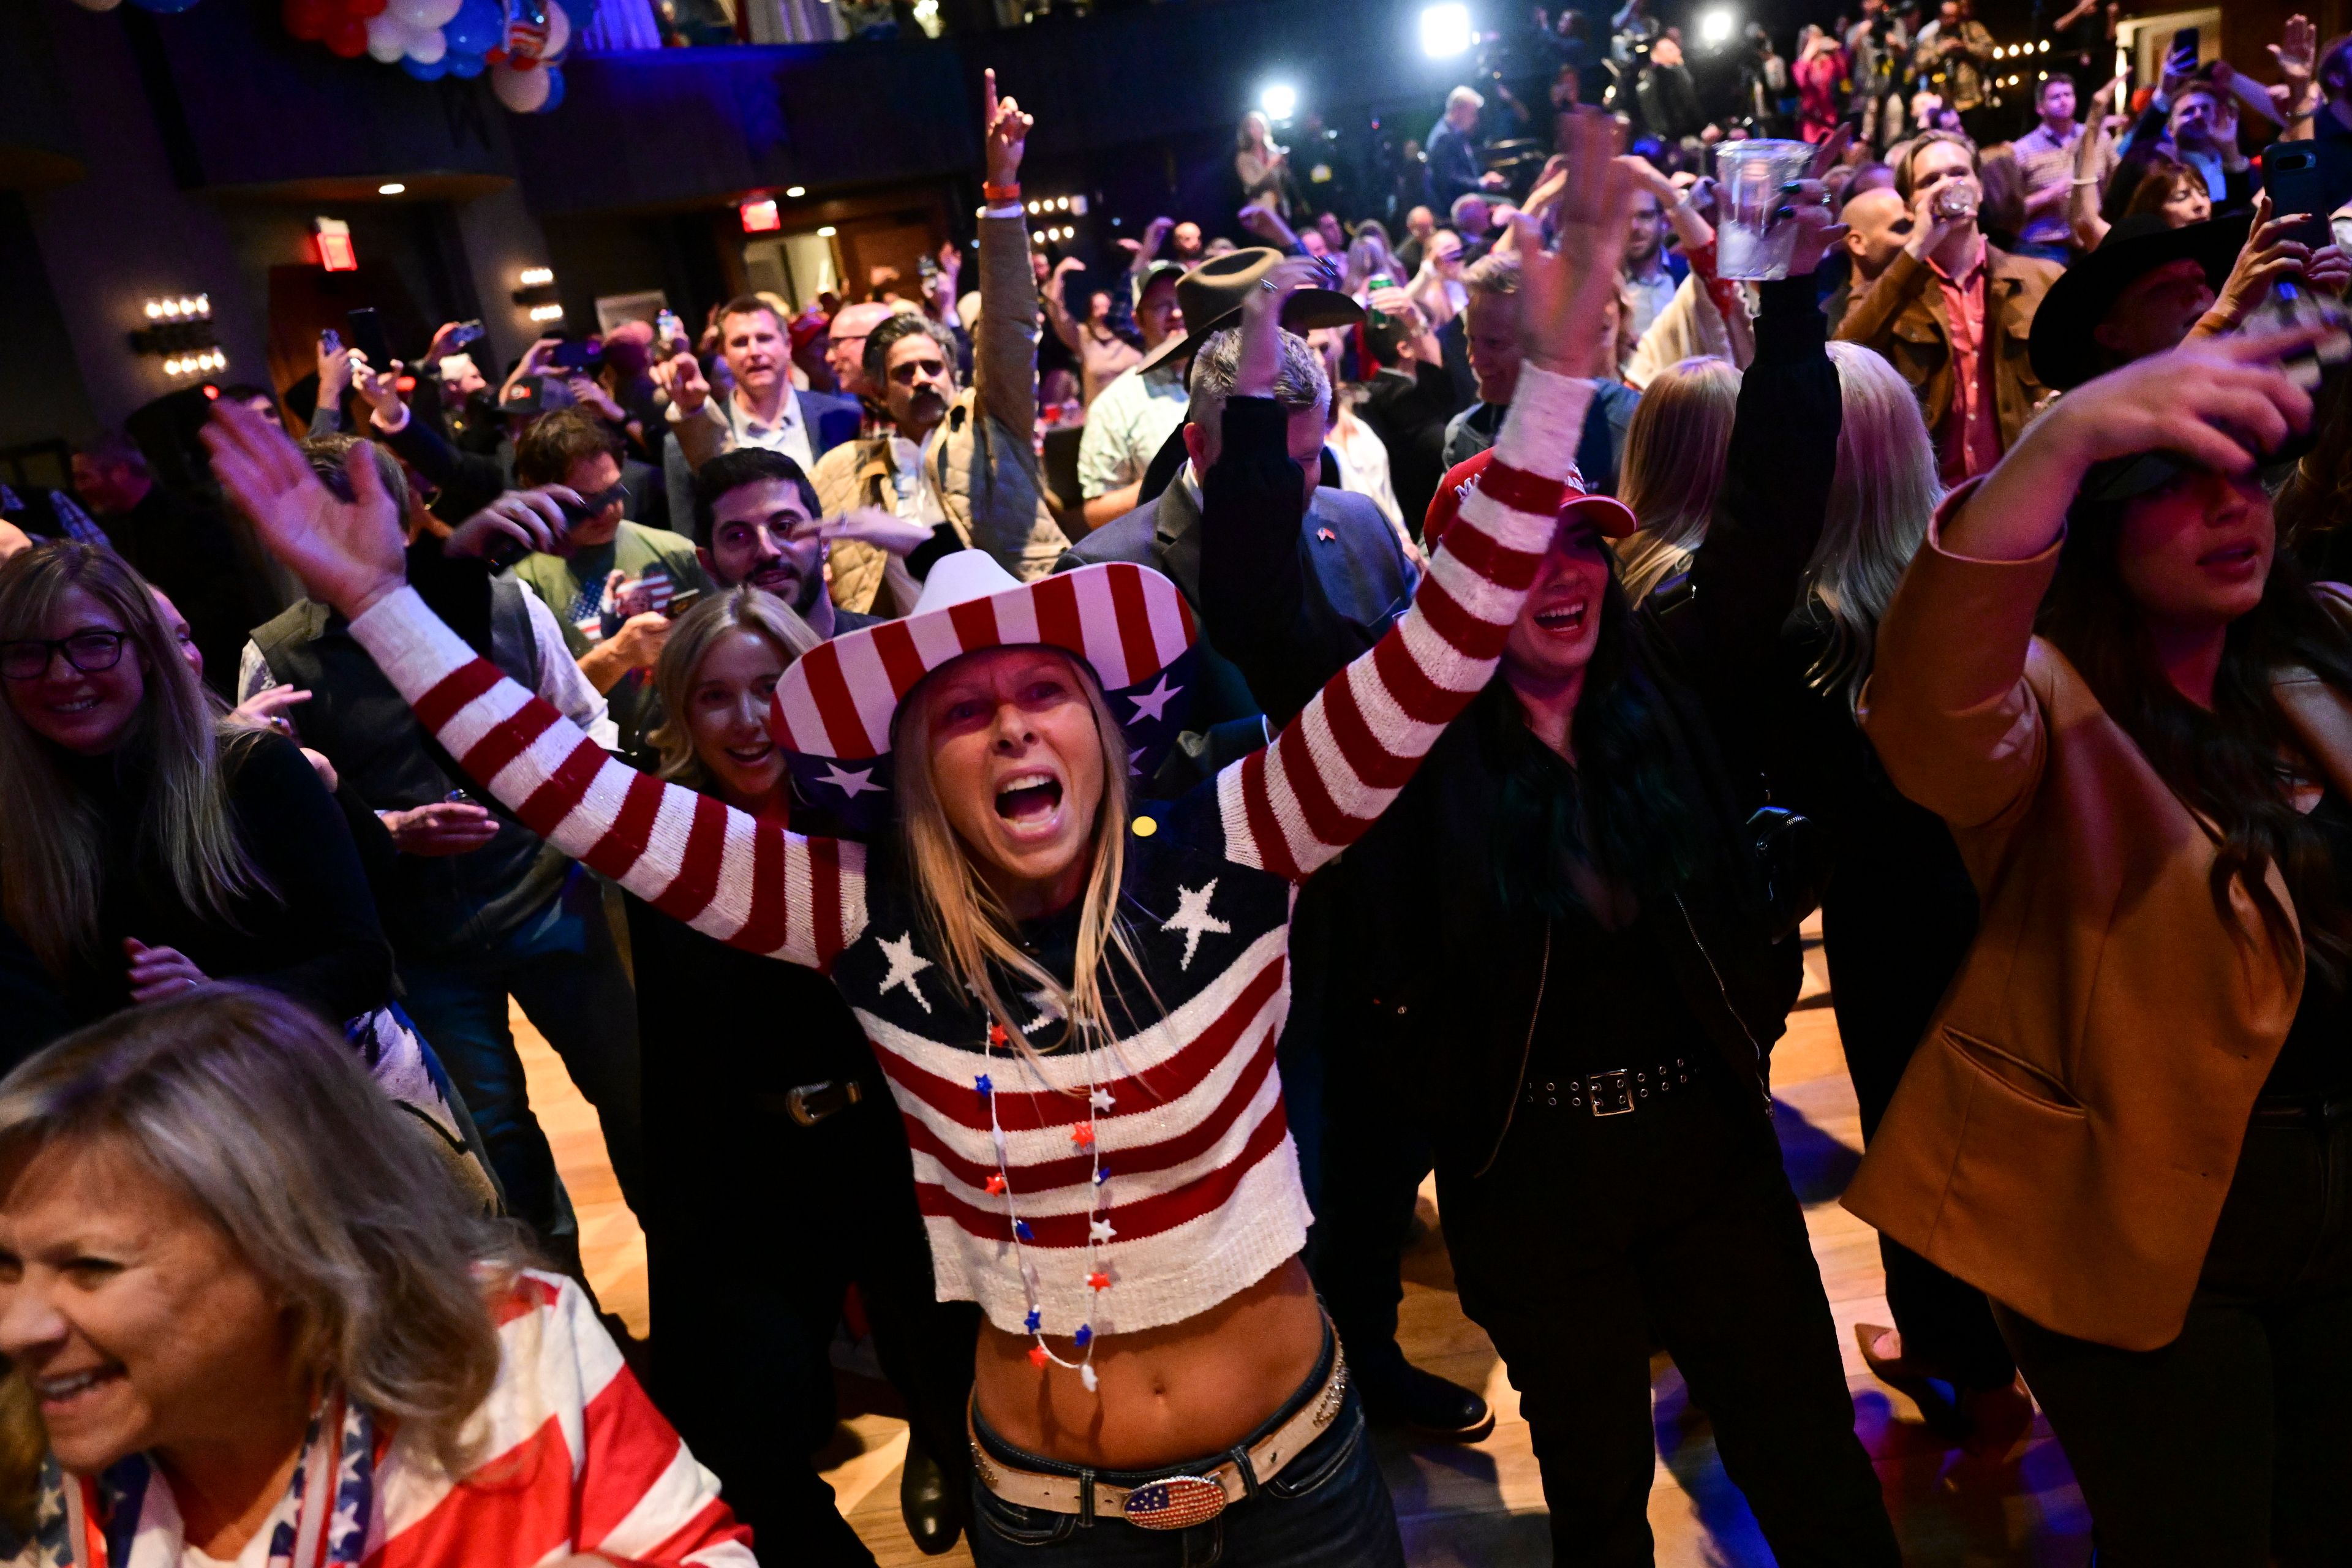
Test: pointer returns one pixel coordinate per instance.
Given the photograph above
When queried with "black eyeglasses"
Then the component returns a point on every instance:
(27, 659)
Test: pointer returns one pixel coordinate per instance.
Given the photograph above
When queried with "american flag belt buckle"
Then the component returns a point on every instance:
(1174, 1503)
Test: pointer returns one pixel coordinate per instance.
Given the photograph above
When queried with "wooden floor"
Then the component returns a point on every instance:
(1483, 1507)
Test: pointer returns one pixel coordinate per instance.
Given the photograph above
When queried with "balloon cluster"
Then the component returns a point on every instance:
(518, 42)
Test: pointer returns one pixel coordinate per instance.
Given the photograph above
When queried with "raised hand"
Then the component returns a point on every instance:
(1807, 206)
(349, 553)
(1259, 363)
(334, 371)
(2271, 252)
(2219, 402)
(681, 377)
(380, 389)
(266, 709)
(2297, 53)
(1567, 291)
(534, 518)
(1007, 132)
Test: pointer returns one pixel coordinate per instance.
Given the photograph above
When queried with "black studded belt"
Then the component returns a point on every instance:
(1620, 1091)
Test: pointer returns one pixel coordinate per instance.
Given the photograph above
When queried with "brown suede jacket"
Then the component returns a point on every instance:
(2066, 1131)
(1902, 317)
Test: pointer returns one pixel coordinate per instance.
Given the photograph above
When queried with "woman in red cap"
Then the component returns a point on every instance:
(1076, 999)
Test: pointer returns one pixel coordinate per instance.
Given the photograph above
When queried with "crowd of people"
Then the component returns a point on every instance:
(1047, 818)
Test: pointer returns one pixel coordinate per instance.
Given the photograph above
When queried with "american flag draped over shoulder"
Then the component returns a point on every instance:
(574, 1458)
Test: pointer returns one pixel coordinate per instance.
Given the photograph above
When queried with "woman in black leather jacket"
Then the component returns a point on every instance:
(1564, 928)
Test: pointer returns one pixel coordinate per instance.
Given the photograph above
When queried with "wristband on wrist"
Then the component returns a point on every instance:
(998, 195)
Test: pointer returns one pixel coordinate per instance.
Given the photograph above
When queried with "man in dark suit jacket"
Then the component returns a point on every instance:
(1358, 574)
(1453, 150)
(1355, 582)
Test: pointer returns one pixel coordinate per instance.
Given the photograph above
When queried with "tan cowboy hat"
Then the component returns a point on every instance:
(1212, 295)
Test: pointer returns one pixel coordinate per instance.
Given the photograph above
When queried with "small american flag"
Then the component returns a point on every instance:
(1177, 1503)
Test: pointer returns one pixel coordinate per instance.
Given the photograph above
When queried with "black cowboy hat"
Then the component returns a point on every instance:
(1212, 295)
(2063, 350)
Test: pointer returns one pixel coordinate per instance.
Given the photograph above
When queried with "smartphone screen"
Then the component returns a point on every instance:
(367, 336)
(2292, 174)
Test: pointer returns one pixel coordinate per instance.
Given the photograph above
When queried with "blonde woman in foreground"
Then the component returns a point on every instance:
(260, 1325)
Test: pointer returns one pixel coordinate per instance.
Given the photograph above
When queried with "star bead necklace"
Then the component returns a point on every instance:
(1098, 1225)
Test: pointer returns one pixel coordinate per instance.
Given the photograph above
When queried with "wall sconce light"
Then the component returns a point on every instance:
(180, 329)
(536, 293)
(193, 364)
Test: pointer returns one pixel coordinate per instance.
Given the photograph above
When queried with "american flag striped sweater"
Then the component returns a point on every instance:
(1203, 1195)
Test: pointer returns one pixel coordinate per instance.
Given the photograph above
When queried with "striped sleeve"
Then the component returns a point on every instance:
(1327, 777)
(748, 883)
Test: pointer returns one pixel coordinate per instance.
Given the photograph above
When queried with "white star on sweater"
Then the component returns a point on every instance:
(1192, 918)
(904, 966)
(1100, 1098)
(852, 785)
(1153, 703)
(1100, 1230)
(1049, 1010)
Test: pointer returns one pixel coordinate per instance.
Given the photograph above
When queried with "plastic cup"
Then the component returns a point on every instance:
(1749, 176)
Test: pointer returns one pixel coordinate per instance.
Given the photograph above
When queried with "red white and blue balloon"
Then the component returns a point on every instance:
(519, 42)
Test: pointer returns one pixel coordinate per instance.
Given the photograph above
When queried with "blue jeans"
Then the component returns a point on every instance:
(564, 968)
(1328, 1508)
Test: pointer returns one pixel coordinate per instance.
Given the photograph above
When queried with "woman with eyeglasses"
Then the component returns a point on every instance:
(149, 846)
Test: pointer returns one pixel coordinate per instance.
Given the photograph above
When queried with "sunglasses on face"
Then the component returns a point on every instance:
(90, 652)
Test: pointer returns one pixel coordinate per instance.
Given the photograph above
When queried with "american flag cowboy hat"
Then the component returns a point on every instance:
(1128, 622)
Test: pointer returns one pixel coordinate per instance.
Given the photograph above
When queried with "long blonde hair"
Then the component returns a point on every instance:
(262, 1115)
(969, 922)
(691, 638)
(51, 852)
(1675, 450)
(1886, 489)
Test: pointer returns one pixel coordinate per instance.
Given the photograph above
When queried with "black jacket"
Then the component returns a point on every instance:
(434, 906)
(314, 937)
(1436, 973)
(1351, 575)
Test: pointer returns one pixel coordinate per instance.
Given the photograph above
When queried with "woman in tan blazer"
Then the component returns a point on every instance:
(2128, 1121)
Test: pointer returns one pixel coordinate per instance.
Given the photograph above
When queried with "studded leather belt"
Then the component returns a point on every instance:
(1620, 1091)
(1180, 1498)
